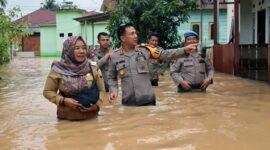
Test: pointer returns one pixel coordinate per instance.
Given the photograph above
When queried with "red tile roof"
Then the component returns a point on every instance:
(39, 17)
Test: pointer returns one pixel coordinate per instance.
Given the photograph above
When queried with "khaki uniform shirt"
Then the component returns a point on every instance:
(192, 68)
(135, 84)
(55, 83)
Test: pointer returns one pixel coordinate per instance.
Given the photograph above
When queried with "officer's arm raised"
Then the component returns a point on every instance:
(177, 53)
(104, 59)
(159, 53)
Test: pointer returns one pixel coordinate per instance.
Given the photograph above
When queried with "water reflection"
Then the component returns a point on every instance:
(233, 114)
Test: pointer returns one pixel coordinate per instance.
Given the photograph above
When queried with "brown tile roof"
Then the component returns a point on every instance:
(94, 18)
(39, 17)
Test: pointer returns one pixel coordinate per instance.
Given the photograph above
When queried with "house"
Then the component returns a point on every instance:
(202, 21)
(50, 28)
(91, 25)
(53, 34)
(35, 20)
(70, 21)
(248, 53)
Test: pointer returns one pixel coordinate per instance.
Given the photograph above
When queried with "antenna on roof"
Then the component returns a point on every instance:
(68, 2)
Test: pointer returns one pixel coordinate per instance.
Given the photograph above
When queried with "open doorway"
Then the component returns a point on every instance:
(261, 27)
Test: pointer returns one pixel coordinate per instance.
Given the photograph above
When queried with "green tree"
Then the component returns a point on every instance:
(50, 4)
(3, 4)
(161, 16)
(9, 32)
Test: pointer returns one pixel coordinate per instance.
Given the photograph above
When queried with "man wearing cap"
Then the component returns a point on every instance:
(130, 63)
(102, 55)
(194, 72)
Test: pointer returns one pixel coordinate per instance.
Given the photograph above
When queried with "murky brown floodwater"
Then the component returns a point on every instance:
(234, 114)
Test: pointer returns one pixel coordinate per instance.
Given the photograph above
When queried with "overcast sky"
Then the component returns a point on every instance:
(28, 6)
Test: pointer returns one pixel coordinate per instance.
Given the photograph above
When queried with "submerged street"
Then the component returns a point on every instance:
(232, 114)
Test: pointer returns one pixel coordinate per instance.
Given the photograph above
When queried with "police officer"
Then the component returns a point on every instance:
(102, 55)
(130, 63)
(155, 67)
(193, 72)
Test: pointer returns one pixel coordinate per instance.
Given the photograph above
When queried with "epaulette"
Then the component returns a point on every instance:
(121, 50)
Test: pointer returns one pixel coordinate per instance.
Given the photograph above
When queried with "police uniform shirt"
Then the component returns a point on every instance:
(192, 68)
(132, 67)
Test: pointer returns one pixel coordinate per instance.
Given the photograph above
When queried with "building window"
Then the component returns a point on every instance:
(69, 34)
(211, 31)
(61, 35)
(196, 27)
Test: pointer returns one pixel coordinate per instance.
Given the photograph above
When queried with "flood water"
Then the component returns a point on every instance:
(234, 114)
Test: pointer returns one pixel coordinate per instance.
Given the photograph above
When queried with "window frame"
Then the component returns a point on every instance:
(210, 31)
(60, 35)
(200, 28)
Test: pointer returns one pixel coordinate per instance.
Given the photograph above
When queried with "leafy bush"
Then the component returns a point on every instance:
(9, 32)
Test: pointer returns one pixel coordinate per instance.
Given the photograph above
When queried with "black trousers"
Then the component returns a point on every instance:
(106, 87)
(194, 88)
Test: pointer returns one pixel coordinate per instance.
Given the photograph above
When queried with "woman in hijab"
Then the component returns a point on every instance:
(74, 83)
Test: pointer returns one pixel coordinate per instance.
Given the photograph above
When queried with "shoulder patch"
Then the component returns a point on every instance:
(92, 53)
